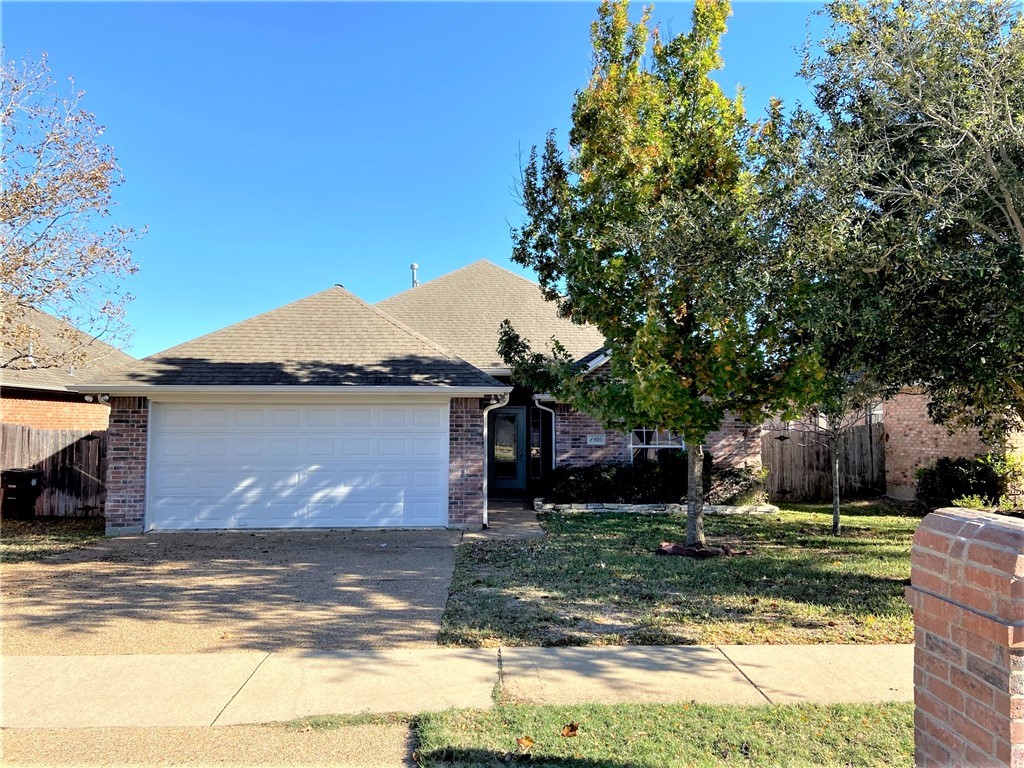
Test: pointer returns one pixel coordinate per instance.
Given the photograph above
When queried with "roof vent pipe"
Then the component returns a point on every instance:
(415, 280)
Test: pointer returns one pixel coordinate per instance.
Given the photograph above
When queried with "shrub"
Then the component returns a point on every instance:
(974, 501)
(642, 482)
(950, 479)
(736, 486)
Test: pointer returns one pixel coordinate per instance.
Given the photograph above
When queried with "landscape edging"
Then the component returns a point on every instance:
(542, 505)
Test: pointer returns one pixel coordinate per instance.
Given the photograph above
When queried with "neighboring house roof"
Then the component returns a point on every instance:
(330, 339)
(464, 309)
(55, 339)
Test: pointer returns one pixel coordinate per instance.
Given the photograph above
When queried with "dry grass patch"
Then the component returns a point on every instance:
(40, 537)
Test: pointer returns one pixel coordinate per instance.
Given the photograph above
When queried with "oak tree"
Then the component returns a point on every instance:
(919, 165)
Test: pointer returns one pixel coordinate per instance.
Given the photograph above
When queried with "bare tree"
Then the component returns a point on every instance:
(849, 405)
(59, 251)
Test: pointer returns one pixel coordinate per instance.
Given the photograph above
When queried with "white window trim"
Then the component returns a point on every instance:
(656, 439)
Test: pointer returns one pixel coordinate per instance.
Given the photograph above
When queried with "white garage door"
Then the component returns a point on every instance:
(309, 466)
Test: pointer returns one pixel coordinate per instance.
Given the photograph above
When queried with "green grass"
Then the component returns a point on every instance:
(662, 735)
(339, 722)
(594, 580)
(40, 537)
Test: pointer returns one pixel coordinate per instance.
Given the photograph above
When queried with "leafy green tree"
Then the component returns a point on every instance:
(653, 229)
(918, 171)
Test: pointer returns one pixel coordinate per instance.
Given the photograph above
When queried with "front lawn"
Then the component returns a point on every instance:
(663, 735)
(40, 537)
(595, 580)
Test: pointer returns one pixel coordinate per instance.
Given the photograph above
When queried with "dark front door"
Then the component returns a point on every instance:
(507, 449)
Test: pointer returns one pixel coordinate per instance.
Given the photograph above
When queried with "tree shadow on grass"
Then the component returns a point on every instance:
(596, 577)
(461, 757)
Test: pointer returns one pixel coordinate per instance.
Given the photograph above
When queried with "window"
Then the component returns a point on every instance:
(646, 443)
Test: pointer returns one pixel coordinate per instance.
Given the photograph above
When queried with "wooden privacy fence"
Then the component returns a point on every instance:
(73, 463)
(799, 464)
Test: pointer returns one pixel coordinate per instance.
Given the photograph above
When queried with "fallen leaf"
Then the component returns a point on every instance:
(525, 742)
(570, 730)
(306, 729)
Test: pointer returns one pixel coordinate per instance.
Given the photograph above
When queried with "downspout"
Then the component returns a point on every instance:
(487, 451)
(554, 427)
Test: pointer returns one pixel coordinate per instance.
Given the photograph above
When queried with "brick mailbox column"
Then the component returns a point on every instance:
(967, 591)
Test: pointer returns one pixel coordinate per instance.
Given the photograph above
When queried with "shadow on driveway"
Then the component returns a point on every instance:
(231, 591)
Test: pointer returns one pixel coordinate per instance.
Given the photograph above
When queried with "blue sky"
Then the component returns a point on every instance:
(275, 149)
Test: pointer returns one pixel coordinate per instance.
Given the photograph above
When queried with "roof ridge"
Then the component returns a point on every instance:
(416, 334)
(457, 270)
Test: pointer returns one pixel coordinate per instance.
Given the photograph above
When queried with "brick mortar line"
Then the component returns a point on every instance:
(946, 599)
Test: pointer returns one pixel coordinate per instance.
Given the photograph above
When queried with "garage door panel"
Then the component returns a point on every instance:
(285, 417)
(356, 446)
(420, 512)
(357, 417)
(428, 479)
(370, 508)
(423, 447)
(321, 446)
(270, 466)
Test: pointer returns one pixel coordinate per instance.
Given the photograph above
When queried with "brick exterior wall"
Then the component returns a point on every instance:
(571, 430)
(737, 444)
(967, 591)
(41, 413)
(126, 465)
(912, 441)
(466, 452)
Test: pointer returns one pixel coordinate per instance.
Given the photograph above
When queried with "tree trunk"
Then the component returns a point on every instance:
(837, 448)
(695, 497)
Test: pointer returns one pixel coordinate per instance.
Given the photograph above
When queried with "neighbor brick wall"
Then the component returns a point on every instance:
(912, 441)
(126, 465)
(737, 444)
(52, 413)
(466, 464)
(967, 591)
(571, 430)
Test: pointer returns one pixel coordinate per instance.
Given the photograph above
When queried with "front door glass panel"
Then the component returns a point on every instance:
(506, 445)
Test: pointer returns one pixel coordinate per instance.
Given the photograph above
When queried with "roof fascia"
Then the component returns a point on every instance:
(289, 393)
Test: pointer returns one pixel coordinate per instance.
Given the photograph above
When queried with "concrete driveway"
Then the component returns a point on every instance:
(231, 591)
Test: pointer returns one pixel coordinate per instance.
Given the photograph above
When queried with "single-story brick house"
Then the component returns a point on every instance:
(914, 441)
(43, 396)
(331, 412)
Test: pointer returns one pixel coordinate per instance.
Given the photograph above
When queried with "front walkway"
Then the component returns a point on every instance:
(215, 689)
(508, 519)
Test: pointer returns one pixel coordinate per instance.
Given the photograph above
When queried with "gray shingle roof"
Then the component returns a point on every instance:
(463, 310)
(331, 338)
(58, 340)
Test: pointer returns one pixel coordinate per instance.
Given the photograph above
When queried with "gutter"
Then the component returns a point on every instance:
(154, 390)
(502, 401)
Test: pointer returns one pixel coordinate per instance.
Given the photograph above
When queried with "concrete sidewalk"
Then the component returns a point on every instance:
(237, 688)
